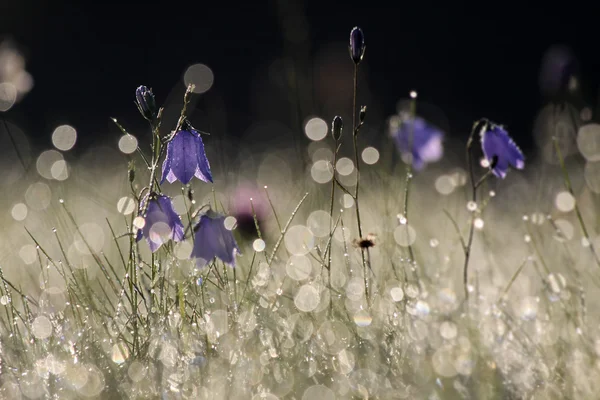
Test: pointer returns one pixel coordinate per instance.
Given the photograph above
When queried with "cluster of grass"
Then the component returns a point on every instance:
(319, 305)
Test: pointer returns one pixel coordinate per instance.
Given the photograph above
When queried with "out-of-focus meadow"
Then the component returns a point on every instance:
(87, 312)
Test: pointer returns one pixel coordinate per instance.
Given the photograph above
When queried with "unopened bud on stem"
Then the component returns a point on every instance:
(336, 128)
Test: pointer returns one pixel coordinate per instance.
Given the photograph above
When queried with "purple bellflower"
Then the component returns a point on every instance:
(500, 150)
(213, 239)
(161, 222)
(186, 158)
(417, 140)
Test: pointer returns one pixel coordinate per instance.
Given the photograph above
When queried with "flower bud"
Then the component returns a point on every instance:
(336, 128)
(357, 45)
(131, 172)
(144, 99)
(362, 114)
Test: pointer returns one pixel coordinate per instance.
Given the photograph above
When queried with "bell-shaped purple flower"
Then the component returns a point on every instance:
(161, 222)
(186, 158)
(357, 44)
(417, 140)
(213, 239)
(500, 150)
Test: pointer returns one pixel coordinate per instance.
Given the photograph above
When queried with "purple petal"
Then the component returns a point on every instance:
(166, 167)
(424, 140)
(202, 251)
(212, 239)
(203, 171)
(496, 143)
(174, 221)
(161, 223)
(184, 158)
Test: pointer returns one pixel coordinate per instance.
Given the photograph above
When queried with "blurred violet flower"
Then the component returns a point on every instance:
(242, 209)
(558, 72)
(144, 99)
(500, 150)
(161, 222)
(213, 239)
(186, 158)
(416, 140)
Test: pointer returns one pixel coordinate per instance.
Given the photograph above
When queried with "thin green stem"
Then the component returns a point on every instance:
(357, 164)
(577, 210)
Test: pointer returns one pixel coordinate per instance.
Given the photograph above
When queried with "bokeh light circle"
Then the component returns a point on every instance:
(128, 144)
(316, 129)
(370, 155)
(64, 137)
(199, 75)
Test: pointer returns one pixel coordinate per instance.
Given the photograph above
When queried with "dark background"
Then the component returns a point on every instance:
(87, 59)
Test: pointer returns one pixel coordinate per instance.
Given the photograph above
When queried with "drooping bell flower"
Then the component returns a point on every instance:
(213, 239)
(161, 222)
(186, 158)
(144, 99)
(500, 150)
(417, 140)
(357, 45)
